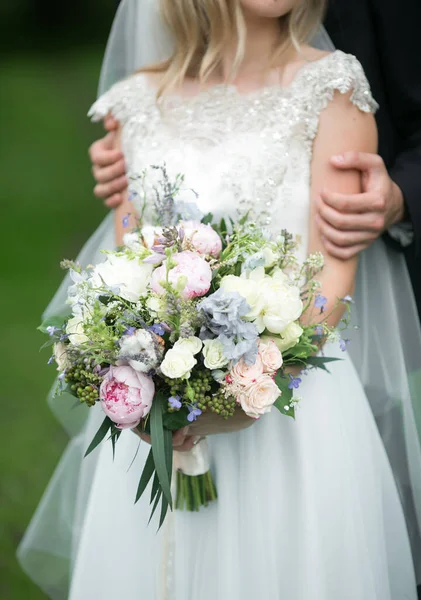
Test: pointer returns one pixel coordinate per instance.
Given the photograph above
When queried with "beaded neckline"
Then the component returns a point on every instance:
(224, 90)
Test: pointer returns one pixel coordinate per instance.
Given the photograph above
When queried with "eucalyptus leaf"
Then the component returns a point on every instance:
(148, 471)
(100, 435)
(158, 444)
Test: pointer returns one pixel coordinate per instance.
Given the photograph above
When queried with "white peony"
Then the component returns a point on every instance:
(75, 331)
(274, 302)
(61, 357)
(131, 277)
(192, 344)
(178, 364)
(214, 355)
(132, 241)
(288, 338)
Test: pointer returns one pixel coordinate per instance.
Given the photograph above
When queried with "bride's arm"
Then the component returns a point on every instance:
(342, 128)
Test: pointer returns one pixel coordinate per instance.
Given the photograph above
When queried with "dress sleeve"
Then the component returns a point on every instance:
(337, 72)
(121, 101)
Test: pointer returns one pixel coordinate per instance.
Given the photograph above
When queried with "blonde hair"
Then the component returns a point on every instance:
(203, 29)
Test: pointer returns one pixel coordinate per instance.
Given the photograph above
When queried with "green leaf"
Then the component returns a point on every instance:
(157, 499)
(320, 362)
(100, 435)
(148, 471)
(286, 397)
(115, 434)
(155, 487)
(57, 322)
(176, 420)
(158, 444)
(207, 219)
(164, 510)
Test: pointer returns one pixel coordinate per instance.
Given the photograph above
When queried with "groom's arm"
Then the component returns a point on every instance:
(397, 30)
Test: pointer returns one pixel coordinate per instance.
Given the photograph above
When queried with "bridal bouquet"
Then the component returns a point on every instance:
(185, 319)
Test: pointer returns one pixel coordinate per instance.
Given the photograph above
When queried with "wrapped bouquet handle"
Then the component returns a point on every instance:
(194, 484)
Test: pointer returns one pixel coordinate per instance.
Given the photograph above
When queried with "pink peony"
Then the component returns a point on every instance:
(126, 396)
(258, 398)
(244, 374)
(271, 356)
(192, 268)
(203, 238)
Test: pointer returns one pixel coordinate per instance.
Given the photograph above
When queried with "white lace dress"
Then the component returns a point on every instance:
(307, 510)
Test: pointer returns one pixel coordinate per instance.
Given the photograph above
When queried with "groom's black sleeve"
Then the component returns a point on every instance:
(397, 28)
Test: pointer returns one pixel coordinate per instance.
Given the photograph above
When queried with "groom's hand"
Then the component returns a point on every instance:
(351, 223)
(108, 167)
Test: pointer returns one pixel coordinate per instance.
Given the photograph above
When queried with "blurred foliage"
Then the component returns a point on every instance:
(48, 211)
(51, 24)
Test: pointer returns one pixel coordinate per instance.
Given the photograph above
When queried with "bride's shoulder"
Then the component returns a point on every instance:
(126, 97)
(326, 73)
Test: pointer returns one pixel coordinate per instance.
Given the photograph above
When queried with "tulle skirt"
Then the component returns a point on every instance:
(306, 510)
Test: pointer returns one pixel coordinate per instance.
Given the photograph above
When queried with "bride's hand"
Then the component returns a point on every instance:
(182, 441)
(210, 423)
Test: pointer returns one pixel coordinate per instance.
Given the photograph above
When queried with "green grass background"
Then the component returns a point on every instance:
(48, 211)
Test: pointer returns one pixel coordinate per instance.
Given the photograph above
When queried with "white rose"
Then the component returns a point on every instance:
(288, 338)
(61, 357)
(259, 397)
(131, 277)
(75, 331)
(178, 364)
(213, 355)
(193, 345)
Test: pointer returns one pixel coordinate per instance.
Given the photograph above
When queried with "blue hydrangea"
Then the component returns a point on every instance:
(223, 314)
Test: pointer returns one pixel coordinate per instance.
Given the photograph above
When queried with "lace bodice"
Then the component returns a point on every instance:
(237, 152)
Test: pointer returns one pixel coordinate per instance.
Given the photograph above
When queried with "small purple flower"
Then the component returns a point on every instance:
(194, 413)
(132, 195)
(130, 331)
(347, 300)
(51, 330)
(50, 362)
(62, 376)
(157, 328)
(175, 402)
(126, 220)
(154, 259)
(343, 344)
(294, 382)
(64, 337)
(320, 302)
(318, 330)
(181, 233)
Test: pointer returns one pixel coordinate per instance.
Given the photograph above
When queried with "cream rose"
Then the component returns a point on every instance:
(271, 356)
(244, 374)
(213, 355)
(193, 345)
(178, 364)
(61, 357)
(75, 331)
(259, 397)
(288, 338)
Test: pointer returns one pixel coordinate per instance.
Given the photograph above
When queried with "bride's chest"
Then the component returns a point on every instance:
(236, 159)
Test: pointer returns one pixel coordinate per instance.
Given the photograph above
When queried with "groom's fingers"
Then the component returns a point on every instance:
(371, 222)
(354, 203)
(360, 161)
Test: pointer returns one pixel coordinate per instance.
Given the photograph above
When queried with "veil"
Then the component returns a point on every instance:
(385, 348)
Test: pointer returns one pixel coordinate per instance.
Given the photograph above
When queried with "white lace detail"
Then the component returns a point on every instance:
(248, 152)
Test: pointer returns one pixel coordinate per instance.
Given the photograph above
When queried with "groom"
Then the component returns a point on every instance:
(383, 35)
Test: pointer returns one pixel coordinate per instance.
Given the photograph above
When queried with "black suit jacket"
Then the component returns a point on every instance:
(385, 35)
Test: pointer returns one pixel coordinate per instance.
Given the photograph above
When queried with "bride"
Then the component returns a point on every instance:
(307, 510)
